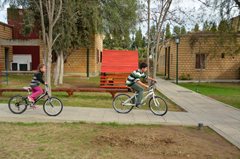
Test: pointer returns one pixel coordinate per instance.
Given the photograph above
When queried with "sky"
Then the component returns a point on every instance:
(183, 3)
(3, 15)
(193, 7)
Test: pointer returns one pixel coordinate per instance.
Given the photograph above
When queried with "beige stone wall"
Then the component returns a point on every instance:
(235, 23)
(216, 66)
(5, 33)
(77, 61)
(98, 52)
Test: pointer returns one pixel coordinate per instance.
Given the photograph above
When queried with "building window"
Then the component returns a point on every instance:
(22, 62)
(98, 56)
(200, 61)
(101, 57)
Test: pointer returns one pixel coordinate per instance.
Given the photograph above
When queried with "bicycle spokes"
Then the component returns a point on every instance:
(53, 106)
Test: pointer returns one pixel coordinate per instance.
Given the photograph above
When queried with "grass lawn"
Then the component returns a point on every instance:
(82, 99)
(228, 93)
(110, 140)
(19, 81)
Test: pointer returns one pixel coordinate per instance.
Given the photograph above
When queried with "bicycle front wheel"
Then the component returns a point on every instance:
(17, 104)
(53, 106)
(119, 106)
(158, 106)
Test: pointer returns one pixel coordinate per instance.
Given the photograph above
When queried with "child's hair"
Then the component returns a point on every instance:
(40, 66)
(143, 65)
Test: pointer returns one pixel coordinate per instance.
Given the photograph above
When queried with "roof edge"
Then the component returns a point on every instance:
(5, 24)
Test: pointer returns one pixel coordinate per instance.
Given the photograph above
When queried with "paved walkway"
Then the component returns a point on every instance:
(200, 109)
(99, 115)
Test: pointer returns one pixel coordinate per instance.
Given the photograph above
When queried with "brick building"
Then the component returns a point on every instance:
(82, 61)
(5, 50)
(25, 52)
(205, 59)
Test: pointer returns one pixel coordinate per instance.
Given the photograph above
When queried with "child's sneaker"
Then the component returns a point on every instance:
(33, 107)
(30, 99)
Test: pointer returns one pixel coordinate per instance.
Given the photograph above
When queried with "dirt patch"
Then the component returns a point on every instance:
(117, 140)
(167, 142)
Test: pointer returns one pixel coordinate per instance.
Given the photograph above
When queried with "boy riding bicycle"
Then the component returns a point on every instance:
(134, 81)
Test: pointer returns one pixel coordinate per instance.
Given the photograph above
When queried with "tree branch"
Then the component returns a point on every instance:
(56, 39)
(237, 2)
(58, 14)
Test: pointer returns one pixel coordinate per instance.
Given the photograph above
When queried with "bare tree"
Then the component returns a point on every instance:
(149, 39)
(160, 18)
(53, 8)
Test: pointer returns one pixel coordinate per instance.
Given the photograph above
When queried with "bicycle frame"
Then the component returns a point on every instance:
(146, 94)
(41, 96)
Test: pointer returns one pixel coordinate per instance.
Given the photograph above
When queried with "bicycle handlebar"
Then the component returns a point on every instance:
(152, 83)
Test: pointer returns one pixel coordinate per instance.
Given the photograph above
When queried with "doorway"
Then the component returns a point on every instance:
(6, 55)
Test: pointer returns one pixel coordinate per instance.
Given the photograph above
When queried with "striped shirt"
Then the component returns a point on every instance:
(37, 79)
(135, 76)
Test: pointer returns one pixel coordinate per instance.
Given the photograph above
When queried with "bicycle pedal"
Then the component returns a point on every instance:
(138, 107)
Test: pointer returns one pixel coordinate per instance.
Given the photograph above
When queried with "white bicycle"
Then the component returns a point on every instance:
(123, 103)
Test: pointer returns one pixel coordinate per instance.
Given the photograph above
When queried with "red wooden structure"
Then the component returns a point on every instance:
(116, 66)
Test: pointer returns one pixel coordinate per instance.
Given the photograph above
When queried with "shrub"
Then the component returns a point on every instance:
(185, 77)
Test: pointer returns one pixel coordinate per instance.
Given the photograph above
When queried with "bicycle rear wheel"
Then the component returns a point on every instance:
(158, 106)
(17, 104)
(118, 104)
(53, 106)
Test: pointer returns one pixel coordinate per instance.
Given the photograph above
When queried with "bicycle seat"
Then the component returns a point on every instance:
(27, 88)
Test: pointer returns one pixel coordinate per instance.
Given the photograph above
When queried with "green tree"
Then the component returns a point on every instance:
(152, 35)
(206, 26)
(213, 27)
(196, 28)
(224, 26)
(139, 38)
(144, 43)
(168, 31)
(183, 30)
(119, 19)
(177, 30)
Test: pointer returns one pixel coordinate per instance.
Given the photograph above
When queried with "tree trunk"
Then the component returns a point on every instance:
(158, 59)
(61, 68)
(53, 14)
(161, 19)
(149, 40)
(49, 66)
(57, 70)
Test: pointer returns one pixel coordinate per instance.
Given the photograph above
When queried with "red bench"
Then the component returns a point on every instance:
(70, 91)
(113, 80)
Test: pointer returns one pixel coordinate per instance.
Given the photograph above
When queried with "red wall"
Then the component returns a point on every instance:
(33, 50)
(15, 19)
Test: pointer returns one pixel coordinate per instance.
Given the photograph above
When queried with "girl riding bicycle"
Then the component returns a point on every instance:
(35, 83)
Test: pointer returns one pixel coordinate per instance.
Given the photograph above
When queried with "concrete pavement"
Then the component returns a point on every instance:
(97, 115)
